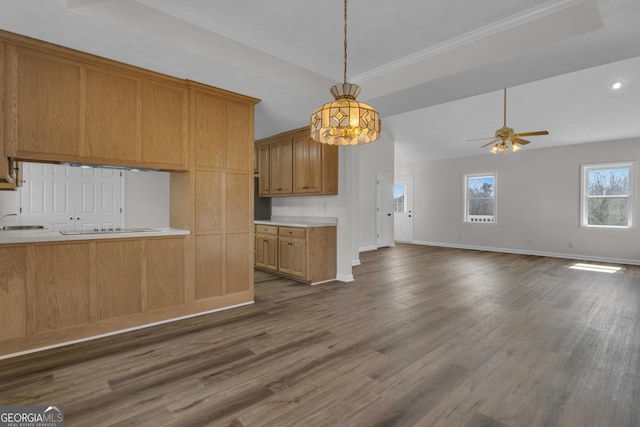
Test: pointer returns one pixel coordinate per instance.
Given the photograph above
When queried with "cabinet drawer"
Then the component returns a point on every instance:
(299, 233)
(267, 229)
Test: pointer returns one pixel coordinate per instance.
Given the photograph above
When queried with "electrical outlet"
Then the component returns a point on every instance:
(570, 244)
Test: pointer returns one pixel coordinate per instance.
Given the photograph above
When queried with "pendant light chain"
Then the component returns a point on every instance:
(345, 41)
(345, 121)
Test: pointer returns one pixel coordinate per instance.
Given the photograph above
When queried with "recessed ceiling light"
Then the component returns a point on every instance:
(616, 86)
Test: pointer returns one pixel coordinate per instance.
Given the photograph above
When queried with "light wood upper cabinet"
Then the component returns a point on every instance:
(294, 164)
(209, 116)
(113, 114)
(307, 165)
(220, 130)
(164, 124)
(66, 106)
(44, 104)
(281, 167)
(239, 153)
(264, 169)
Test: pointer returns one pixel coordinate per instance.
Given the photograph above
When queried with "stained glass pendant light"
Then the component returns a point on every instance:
(345, 121)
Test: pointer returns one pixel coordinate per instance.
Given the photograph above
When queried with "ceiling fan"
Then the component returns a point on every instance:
(506, 138)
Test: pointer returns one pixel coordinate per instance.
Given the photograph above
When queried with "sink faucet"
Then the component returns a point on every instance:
(4, 216)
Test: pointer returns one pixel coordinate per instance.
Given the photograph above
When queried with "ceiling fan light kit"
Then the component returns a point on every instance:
(506, 139)
(345, 121)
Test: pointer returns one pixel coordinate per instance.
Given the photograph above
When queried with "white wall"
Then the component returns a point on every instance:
(373, 158)
(328, 206)
(146, 199)
(8, 204)
(538, 203)
(352, 206)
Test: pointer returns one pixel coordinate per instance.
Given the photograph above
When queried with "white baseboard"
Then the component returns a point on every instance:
(368, 248)
(345, 277)
(536, 253)
(355, 262)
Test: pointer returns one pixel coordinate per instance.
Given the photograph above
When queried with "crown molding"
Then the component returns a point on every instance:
(546, 9)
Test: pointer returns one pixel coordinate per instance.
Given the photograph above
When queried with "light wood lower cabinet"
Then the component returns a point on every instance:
(13, 280)
(267, 252)
(57, 292)
(291, 258)
(304, 254)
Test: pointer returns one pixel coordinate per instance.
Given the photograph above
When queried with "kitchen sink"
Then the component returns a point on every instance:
(21, 227)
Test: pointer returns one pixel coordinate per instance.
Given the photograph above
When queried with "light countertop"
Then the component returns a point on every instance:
(303, 222)
(50, 235)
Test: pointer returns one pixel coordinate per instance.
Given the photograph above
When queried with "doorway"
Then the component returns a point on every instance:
(384, 210)
(403, 209)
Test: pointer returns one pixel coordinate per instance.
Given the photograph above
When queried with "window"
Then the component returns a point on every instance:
(480, 198)
(606, 195)
(399, 198)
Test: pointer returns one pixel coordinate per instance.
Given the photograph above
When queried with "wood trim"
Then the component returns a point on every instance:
(222, 93)
(4, 164)
(86, 59)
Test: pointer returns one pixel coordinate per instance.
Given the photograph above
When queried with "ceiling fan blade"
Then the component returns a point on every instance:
(520, 141)
(495, 140)
(480, 139)
(541, 132)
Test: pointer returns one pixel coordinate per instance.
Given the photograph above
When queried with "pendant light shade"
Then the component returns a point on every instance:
(345, 121)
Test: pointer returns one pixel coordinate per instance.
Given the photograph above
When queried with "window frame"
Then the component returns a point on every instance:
(584, 194)
(466, 178)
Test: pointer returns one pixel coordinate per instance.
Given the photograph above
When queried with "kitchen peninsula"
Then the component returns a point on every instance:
(56, 289)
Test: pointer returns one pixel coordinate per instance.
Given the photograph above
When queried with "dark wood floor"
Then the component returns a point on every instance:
(425, 336)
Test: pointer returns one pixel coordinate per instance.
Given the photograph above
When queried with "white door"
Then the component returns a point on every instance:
(45, 196)
(98, 204)
(384, 210)
(403, 209)
(71, 198)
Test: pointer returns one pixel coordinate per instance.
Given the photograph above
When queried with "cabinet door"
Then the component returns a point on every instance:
(307, 165)
(44, 115)
(164, 124)
(281, 167)
(292, 256)
(118, 278)
(59, 286)
(263, 170)
(5, 176)
(165, 284)
(112, 117)
(13, 293)
(284, 255)
(298, 258)
(210, 130)
(267, 252)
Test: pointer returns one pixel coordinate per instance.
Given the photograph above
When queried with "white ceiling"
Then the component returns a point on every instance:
(434, 69)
